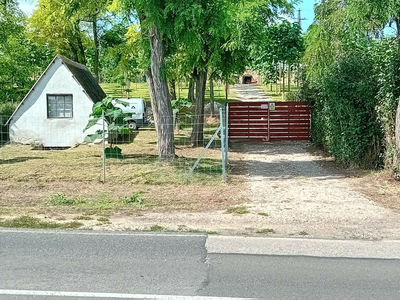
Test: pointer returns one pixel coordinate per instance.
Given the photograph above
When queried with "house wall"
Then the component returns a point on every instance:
(30, 123)
(255, 76)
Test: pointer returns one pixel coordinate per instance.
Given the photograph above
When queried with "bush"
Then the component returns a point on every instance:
(343, 103)
(350, 100)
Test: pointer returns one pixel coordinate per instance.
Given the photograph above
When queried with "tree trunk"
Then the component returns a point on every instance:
(226, 90)
(152, 92)
(162, 108)
(283, 78)
(191, 91)
(397, 124)
(172, 89)
(96, 50)
(212, 97)
(289, 76)
(397, 135)
(82, 55)
(197, 138)
(74, 51)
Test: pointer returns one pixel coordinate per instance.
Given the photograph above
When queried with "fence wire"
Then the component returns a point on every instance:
(40, 149)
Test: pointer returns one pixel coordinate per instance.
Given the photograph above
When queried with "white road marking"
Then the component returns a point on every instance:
(110, 295)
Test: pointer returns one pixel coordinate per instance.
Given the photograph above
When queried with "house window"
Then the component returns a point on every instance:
(59, 106)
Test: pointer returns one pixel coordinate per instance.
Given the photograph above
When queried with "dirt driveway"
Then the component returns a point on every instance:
(304, 195)
(288, 190)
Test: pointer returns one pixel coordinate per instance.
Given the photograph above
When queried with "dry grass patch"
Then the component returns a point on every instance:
(64, 182)
(238, 210)
(140, 164)
(36, 223)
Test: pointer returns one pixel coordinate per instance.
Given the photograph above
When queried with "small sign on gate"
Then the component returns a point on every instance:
(272, 106)
(264, 106)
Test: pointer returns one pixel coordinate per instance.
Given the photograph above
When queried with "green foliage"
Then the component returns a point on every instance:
(348, 59)
(115, 122)
(353, 132)
(21, 61)
(113, 152)
(343, 102)
(387, 70)
(179, 104)
(135, 198)
(63, 200)
(281, 43)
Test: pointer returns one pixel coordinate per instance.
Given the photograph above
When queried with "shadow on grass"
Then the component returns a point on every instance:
(17, 160)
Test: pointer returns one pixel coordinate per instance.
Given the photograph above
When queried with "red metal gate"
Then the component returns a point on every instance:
(269, 121)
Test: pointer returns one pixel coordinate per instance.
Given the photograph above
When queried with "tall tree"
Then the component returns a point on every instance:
(60, 23)
(52, 23)
(150, 15)
(21, 61)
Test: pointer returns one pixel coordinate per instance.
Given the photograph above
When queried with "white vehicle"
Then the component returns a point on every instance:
(136, 109)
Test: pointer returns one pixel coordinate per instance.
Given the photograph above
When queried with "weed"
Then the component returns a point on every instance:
(303, 233)
(239, 210)
(36, 223)
(211, 232)
(157, 228)
(28, 222)
(266, 231)
(135, 198)
(86, 218)
(103, 219)
(263, 214)
(63, 200)
(71, 225)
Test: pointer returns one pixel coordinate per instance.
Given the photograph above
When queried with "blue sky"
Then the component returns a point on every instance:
(306, 6)
(307, 12)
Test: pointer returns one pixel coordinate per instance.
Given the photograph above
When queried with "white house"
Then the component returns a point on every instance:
(56, 110)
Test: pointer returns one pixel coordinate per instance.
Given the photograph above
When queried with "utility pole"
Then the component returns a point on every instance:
(299, 18)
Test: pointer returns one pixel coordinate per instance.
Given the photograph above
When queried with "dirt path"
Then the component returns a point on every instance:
(249, 92)
(304, 196)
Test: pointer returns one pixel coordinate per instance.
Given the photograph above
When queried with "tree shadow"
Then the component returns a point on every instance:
(17, 160)
(285, 169)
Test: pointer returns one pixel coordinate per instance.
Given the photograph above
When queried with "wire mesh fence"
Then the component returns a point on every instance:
(43, 149)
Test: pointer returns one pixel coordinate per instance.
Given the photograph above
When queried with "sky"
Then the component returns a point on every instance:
(306, 7)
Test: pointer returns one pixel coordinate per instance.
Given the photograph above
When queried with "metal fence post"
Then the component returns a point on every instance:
(226, 133)
(222, 144)
(104, 148)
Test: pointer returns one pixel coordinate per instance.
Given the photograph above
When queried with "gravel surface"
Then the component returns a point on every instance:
(249, 92)
(302, 196)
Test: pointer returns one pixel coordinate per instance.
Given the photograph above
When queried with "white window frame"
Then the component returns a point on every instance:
(60, 111)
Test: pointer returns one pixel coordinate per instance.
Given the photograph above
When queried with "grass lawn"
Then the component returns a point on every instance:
(140, 90)
(276, 96)
(61, 182)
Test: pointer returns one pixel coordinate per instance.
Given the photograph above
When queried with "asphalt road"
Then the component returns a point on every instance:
(88, 265)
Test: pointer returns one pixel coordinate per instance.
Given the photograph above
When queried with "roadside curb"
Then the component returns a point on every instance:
(383, 249)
